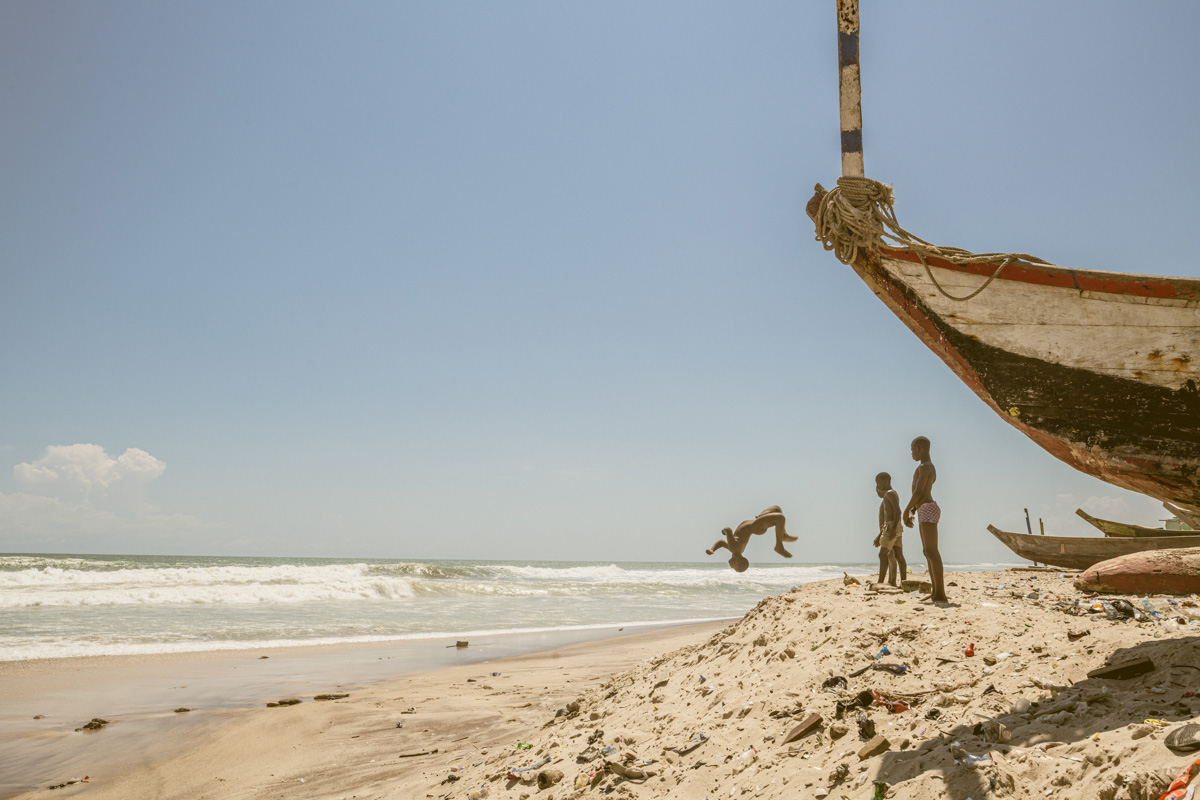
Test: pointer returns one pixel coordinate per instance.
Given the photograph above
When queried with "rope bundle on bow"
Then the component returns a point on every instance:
(857, 215)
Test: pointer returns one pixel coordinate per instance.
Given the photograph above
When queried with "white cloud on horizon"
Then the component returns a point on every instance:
(77, 495)
(85, 474)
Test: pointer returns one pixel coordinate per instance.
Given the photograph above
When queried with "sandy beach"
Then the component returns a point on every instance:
(713, 710)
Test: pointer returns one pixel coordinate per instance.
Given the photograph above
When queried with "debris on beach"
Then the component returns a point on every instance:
(287, 701)
(95, 725)
(1039, 709)
(418, 753)
(331, 696)
(84, 779)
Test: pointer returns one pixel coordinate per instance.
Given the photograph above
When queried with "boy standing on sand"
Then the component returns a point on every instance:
(735, 541)
(928, 514)
(891, 554)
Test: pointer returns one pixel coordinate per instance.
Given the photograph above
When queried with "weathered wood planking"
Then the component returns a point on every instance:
(1151, 340)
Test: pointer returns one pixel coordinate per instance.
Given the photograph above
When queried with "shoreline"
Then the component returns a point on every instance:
(1000, 693)
(138, 693)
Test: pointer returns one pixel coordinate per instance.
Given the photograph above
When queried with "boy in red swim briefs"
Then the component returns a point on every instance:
(928, 514)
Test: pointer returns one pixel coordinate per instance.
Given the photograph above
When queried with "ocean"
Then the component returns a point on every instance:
(55, 606)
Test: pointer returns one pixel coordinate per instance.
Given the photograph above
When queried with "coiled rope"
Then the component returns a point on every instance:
(857, 215)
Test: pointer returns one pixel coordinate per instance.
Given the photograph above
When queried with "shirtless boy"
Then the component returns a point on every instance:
(735, 540)
(928, 514)
(891, 554)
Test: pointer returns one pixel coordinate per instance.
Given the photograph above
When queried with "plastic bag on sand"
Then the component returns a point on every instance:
(1187, 785)
(948, 699)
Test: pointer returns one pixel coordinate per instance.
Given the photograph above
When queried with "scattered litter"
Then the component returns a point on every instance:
(515, 774)
(418, 753)
(1180, 788)
(995, 731)
(898, 669)
(894, 706)
(695, 740)
(628, 773)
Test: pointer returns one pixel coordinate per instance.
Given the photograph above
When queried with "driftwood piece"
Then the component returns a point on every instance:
(1121, 672)
(808, 725)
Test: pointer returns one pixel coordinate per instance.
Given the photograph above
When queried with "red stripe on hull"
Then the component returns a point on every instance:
(1082, 280)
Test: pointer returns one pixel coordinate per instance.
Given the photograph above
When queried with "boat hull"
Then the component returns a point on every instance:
(1162, 572)
(1111, 528)
(1102, 370)
(1073, 552)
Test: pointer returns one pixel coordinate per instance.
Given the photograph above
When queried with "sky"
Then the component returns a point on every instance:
(533, 280)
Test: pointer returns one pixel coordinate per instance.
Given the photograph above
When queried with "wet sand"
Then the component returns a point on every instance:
(227, 692)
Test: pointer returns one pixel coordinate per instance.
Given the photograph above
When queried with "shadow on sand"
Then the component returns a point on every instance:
(1069, 747)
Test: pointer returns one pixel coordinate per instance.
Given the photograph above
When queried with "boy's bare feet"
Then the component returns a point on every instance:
(710, 552)
(779, 548)
(787, 537)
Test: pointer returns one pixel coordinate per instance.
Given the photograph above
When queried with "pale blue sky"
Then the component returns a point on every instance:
(534, 280)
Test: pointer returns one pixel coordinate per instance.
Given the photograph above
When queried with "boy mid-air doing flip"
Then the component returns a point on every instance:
(735, 540)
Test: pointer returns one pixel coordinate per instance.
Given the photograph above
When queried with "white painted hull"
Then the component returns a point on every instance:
(1153, 340)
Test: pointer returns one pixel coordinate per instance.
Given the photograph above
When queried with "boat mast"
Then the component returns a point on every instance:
(850, 89)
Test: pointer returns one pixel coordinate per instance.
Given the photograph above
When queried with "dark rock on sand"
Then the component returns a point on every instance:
(548, 777)
(95, 725)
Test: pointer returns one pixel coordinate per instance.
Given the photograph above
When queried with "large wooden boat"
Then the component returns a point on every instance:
(1077, 552)
(1111, 528)
(1101, 369)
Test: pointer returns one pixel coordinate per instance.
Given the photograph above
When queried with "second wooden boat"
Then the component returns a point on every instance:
(1079, 552)
(1111, 528)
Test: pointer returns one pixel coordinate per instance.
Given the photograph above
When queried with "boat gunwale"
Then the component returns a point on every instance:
(1159, 287)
